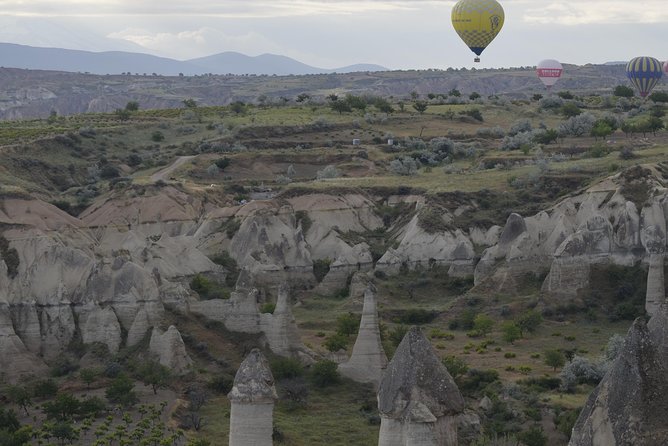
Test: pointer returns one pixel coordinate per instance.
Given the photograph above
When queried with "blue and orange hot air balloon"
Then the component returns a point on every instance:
(477, 22)
(645, 73)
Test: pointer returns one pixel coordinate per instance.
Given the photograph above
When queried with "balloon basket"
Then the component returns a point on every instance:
(476, 60)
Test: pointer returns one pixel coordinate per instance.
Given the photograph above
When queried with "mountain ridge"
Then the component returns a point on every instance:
(118, 62)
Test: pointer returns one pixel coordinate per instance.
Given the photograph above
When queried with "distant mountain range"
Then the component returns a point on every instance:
(117, 62)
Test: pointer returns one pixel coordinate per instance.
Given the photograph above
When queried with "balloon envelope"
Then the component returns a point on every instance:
(665, 67)
(477, 22)
(644, 73)
(549, 71)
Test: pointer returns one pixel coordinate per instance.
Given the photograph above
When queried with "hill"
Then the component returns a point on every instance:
(36, 93)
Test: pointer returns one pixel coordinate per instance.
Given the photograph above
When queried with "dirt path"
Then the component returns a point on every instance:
(162, 174)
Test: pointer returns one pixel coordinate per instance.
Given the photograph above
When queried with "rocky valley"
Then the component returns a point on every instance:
(192, 237)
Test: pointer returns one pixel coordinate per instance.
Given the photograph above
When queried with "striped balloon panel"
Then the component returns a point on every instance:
(644, 73)
(477, 22)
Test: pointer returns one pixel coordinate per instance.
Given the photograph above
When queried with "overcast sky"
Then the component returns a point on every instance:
(399, 34)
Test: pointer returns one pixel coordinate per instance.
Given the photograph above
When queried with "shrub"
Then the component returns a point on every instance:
(45, 389)
(336, 342)
(321, 268)
(554, 359)
(518, 141)
(511, 332)
(157, 136)
(221, 383)
(328, 172)
(10, 257)
(416, 317)
(551, 103)
(121, 391)
(347, 324)
(397, 335)
(578, 125)
(456, 366)
(521, 126)
(268, 308)
(284, 368)
(581, 371)
(533, 437)
(325, 374)
(623, 91)
(483, 324)
(405, 166)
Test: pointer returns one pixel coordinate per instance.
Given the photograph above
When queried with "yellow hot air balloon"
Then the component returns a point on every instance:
(477, 22)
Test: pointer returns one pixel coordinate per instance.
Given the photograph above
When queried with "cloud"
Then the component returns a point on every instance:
(581, 12)
(197, 43)
(208, 8)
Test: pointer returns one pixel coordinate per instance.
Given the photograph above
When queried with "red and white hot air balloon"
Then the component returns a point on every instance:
(549, 71)
(665, 68)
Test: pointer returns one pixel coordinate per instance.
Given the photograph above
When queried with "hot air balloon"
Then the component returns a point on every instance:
(645, 73)
(665, 67)
(477, 22)
(549, 71)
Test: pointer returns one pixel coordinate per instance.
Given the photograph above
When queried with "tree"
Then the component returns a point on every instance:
(121, 391)
(356, 102)
(533, 437)
(623, 91)
(303, 97)
(325, 374)
(132, 106)
(20, 396)
(659, 96)
(655, 124)
(64, 432)
(454, 93)
(222, 163)
(88, 376)
(529, 322)
(473, 96)
(347, 324)
(64, 407)
(340, 107)
(420, 106)
(238, 107)
(554, 359)
(511, 332)
(601, 130)
(546, 137)
(189, 103)
(570, 109)
(154, 374)
(45, 389)
(536, 97)
(122, 114)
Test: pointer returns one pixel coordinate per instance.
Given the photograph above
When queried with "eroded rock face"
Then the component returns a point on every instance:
(170, 350)
(598, 226)
(418, 400)
(252, 397)
(418, 248)
(368, 359)
(629, 405)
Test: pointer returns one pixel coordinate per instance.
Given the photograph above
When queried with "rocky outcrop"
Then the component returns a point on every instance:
(101, 325)
(368, 359)
(418, 401)
(629, 405)
(252, 397)
(16, 360)
(599, 226)
(419, 248)
(281, 331)
(170, 350)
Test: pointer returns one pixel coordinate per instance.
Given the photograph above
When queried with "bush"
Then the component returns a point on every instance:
(406, 166)
(521, 126)
(533, 437)
(518, 141)
(285, 368)
(45, 389)
(157, 136)
(321, 268)
(416, 317)
(582, 371)
(397, 335)
(551, 103)
(268, 308)
(221, 383)
(578, 125)
(328, 172)
(554, 359)
(336, 342)
(456, 366)
(121, 391)
(623, 91)
(324, 374)
(347, 324)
